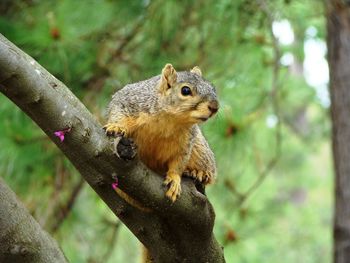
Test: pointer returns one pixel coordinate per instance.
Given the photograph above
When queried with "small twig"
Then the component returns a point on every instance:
(21, 140)
(63, 211)
(275, 86)
(112, 242)
(125, 42)
(53, 200)
(260, 180)
(115, 225)
(233, 189)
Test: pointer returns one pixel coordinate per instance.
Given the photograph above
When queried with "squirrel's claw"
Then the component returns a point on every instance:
(173, 181)
(200, 176)
(112, 129)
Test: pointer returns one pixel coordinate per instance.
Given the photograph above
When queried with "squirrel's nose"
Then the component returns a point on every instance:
(213, 106)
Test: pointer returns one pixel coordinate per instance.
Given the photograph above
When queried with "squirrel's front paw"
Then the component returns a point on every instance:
(113, 129)
(173, 181)
(204, 177)
(125, 148)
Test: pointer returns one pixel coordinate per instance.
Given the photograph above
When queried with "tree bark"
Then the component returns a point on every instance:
(22, 239)
(338, 41)
(179, 232)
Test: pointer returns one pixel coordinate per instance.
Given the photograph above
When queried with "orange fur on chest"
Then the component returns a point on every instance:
(159, 139)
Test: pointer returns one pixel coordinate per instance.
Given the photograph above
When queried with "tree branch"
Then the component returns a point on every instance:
(21, 237)
(182, 231)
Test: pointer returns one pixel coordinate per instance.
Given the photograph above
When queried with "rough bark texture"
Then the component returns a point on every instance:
(338, 23)
(22, 239)
(179, 232)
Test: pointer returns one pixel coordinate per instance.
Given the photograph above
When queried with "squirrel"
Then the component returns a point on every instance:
(161, 115)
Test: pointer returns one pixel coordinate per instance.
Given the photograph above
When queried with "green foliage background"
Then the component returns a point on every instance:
(96, 47)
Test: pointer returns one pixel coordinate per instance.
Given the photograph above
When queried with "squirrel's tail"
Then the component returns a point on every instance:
(146, 256)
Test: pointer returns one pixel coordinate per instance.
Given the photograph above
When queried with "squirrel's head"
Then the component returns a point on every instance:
(187, 96)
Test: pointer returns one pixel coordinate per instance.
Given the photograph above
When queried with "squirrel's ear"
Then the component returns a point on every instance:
(197, 70)
(169, 77)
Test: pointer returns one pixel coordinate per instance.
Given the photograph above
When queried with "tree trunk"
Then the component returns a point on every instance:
(338, 40)
(22, 239)
(179, 232)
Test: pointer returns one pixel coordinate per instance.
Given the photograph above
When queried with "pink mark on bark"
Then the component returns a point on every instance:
(61, 133)
(115, 184)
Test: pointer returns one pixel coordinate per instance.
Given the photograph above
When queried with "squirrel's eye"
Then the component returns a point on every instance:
(186, 91)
